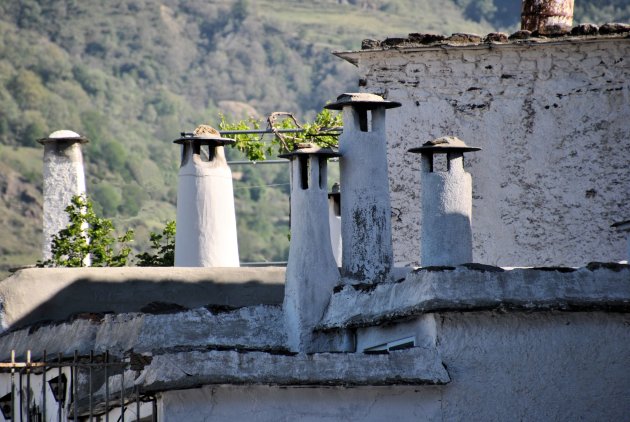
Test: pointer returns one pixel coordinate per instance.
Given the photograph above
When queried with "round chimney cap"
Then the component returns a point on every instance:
(310, 149)
(63, 136)
(444, 145)
(361, 100)
(204, 135)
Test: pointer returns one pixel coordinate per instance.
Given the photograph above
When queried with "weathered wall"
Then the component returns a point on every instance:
(514, 366)
(552, 119)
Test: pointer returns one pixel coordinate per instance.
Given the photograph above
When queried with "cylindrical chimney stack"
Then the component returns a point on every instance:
(446, 232)
(64, 178)
(334, 221)
(540, 15)
(206, 221)
(312, 272)
(366, 231)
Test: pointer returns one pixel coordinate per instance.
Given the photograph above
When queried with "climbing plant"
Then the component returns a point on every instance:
(323, 131)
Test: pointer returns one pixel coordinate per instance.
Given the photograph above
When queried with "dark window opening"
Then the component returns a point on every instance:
(304, 171)
(365, 120)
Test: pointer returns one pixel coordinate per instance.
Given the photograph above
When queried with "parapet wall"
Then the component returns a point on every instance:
(552, 118)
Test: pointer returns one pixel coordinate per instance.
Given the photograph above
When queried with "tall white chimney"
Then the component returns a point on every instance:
(64, 178)
(206, 221)
(446, 232)
(366, 231)
(312, 272)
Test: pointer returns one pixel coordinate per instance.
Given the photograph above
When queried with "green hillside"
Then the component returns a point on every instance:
(131, 74)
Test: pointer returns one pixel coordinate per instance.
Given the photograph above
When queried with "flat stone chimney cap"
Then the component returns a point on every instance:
(361, 100)
(310, 149)
(444, 145)
(63, 136)
(204, 135)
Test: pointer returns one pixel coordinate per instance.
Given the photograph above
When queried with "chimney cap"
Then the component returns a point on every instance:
(443, 145)
(361, 100)
(204, 135)
(63, 136)
(310, 149)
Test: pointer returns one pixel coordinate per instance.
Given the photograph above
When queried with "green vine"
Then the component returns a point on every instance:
(320, 132)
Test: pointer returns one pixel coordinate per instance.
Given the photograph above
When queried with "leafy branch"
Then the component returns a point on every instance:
(163, 246)
(320, 132)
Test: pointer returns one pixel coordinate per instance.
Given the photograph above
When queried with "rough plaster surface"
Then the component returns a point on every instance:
(552, 119)
(63, 178)
(537, 367)
(249, 328)
(503, 366)
(446, 211)
(206, 221)
(365, 207)
(282, 404)
(462, 289)
(312, 272)
(43, 294)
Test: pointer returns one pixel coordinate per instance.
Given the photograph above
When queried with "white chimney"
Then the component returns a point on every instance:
(334, 222)
(312, 272)
(446, 232)
(206, 222)
(64, 178)
(365, 205)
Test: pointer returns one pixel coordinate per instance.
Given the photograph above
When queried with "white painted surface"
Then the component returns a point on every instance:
(63, 178)
(312, 271)
(367, 255)
(446, 208)
(206, 222)
(514, 366)
(334, 223)
(552, 119)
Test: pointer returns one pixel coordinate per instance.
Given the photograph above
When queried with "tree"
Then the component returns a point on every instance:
(163, 246)
(88, 240)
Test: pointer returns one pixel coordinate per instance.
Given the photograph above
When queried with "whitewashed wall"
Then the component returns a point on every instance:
(553, 120)
(518, 366)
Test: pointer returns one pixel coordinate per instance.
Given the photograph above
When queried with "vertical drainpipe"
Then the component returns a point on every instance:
(312, 272)
(206, 221)
(366, 232)
(64, 178)
(446, 232)
(538, 15)
(334, 222)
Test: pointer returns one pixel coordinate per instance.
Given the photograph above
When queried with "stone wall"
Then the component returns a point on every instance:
(552, 119)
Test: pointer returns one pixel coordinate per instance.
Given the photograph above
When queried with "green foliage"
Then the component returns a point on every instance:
(163, 247)
(319, 132)
(88, 235)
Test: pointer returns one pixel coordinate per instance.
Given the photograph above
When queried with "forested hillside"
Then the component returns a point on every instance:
(131, 74)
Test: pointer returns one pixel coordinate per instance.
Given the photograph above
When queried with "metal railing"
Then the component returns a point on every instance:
(38, 389)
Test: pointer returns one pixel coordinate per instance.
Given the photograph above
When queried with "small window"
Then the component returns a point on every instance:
(403, 343)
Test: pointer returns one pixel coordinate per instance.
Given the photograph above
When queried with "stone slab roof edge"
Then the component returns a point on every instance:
(604, 287)
(352, 56)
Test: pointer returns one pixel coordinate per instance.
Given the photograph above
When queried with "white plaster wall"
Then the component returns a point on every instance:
(552, 120)
(546, 366)
(63, 178)
(278, 404)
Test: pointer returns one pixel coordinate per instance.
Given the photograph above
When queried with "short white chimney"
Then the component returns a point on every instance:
(545, 15)
(312, 272)
(64, 178)
(334, 222)
(446, 207)
(365, 205)
(206, 222)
